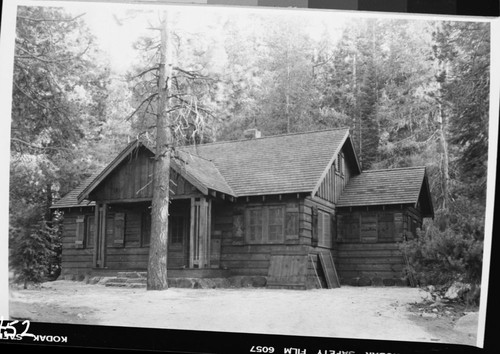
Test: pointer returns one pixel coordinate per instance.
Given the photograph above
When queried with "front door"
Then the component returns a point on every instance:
(178, 234)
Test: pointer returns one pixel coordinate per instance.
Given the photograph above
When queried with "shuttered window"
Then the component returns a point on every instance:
(89, 232)
(80, 231)
(266, 224)
(369, 227)
(324, 229)
(348, 227)
(119, 229)
(276, 224)
(292, 224)
(84, 236)
(255, 224)
(386, 231)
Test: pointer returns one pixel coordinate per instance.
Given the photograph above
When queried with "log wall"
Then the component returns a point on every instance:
(131, 254)
(367, 242)
(376, 263)
(253, 259)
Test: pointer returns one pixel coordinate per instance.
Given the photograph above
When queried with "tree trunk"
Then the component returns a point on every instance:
(445, 174)
(443, 127)
(158, 247)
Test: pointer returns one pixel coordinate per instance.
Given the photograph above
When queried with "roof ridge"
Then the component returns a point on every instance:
(394, 169)
(267, 137)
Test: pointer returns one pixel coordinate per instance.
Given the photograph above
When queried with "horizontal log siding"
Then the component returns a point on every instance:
(74, 260)
(381, 260)
(242, 258)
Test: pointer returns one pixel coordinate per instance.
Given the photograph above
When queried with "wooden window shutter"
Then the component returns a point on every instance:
(314, 219)
(80, 231)
(292, 224)
(119, 229)
(238, 225)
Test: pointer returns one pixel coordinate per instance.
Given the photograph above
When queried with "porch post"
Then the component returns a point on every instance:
(203, 232)
(209, 231)
(102, 238)
(199, 233)
(96, 236)
(191, 234)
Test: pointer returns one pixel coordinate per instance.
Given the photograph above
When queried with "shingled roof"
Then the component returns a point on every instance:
(201, 173)
(289, 163)
(391, 186)
(70, 200)
(277, 164)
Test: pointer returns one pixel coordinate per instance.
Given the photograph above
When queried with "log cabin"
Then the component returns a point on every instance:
(295, 210)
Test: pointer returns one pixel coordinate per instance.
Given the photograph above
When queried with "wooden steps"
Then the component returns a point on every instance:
(128, 280)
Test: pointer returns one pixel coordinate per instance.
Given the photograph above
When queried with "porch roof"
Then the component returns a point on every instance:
(407, 185)
(70, 200)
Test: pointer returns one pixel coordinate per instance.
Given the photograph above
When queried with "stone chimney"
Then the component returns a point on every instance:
(252, 133)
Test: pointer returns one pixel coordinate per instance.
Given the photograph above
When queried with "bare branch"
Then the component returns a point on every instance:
(26, 143)
(150, 97)
(51, 19)
(145, 186)
(49, 61)
(145, 72)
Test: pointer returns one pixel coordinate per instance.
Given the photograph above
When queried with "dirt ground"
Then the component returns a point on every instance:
(390, 313)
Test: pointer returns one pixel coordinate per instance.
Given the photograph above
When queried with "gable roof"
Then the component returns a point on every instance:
(391, 186)
(70, 200)
(280, 164)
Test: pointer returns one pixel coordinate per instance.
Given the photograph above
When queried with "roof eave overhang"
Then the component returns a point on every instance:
(205, 190)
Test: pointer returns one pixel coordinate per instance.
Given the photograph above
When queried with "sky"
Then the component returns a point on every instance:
(116, 28)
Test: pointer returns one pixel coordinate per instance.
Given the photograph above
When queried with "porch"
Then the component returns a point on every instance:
(118, 236)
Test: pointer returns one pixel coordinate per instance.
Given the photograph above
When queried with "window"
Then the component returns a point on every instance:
(348, 227)
(386, 227)
(89, 232)
(411, 227)
(255, 225)
(339, 164)
(84, 235)
(276, 221)
(266, 224)
(368, 229)
(324, 229)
